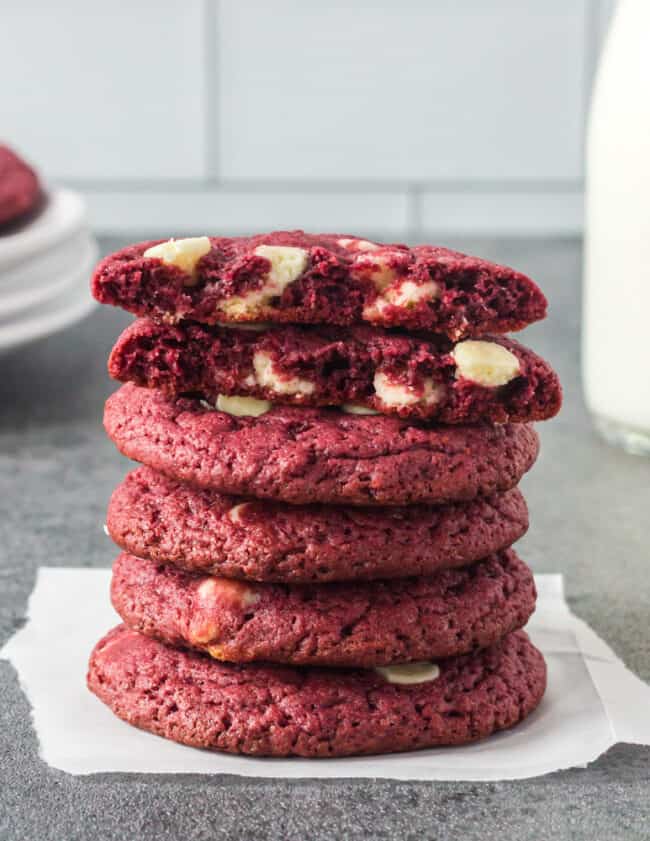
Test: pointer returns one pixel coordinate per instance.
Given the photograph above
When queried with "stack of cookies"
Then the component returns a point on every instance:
(316, 547)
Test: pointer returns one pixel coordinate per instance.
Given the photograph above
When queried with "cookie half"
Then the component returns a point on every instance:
(153, 516)
(267, 710)
(488, 380)
(291, 276)
(362, 625)
(301, 455)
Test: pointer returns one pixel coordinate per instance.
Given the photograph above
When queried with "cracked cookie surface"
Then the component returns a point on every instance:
(268, 710)
(362, 625)
(301, 455)
(153, 516)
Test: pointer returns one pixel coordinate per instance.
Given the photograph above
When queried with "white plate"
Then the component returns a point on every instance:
(63, 216)
(71, 304)
(45, 278)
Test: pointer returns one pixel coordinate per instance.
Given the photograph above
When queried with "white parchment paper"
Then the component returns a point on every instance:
(592, 701)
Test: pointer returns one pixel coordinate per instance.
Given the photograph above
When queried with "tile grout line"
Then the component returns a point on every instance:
(369, 187)
(211, 91)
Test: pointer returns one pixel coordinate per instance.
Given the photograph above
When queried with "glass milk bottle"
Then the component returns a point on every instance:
(616, 316)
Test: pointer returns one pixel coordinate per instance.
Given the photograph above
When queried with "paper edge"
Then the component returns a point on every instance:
(552, 585)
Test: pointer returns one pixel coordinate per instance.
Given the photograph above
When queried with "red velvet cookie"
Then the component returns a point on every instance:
(493, 379)
(359, 625)
(199, 530)
(20, 190)
(291, 276)
(301, 455)
(270, 710)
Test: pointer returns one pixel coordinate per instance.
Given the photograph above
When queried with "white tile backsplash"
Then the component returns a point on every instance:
(227, 211)
(105, 90)
(395, 214)
(401, 90)
(388, 118)
(492, 212)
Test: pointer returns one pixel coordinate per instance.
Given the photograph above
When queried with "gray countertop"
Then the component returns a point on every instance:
(589, 518)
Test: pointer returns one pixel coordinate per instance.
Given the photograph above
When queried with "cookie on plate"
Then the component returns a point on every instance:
(20, 190)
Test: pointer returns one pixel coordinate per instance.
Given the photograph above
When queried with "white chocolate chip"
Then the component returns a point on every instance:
(213, 595)
(182, 253)
(106, 531)
(207, 590)
(213, 590)
(397, 394)
(408, 294)
(355, 409)
(485, 363)
(240, 305)
(358, 244)
(287, 264)
(235, 513)
(242, 407)
(377, 268)
(393, 394)
(267, 377)
(409, 673)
